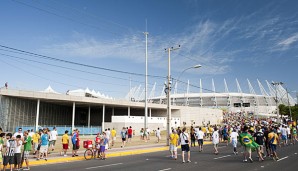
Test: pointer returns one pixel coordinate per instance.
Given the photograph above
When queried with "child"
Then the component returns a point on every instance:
(9, 152)
(103, 143)
(18, 154)
(65, 143)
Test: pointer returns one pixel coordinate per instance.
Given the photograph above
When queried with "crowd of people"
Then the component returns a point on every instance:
(262, 135)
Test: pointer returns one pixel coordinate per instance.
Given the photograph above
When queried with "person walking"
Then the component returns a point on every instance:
(200, 137)
(54, 135)
(174, 138)
(234, 139)
(192, 137)
(273, 140)
(129, 134)
(113, 133)
(123, 136)
(185, 140)
(215, 140)
(44, 142)
(74, 140)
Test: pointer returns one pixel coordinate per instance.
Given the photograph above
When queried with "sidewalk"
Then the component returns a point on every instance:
(115, 152)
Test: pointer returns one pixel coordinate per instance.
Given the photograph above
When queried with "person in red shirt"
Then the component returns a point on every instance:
(129, 134)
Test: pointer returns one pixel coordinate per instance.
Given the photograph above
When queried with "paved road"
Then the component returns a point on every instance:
(160, 161)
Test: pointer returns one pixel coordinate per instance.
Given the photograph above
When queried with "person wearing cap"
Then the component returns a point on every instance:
(174, 137)
(259, 138)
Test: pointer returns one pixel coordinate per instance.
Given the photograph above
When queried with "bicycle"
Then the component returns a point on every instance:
(91, 153)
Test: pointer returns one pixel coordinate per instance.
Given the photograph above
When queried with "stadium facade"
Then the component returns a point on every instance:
(260, 104)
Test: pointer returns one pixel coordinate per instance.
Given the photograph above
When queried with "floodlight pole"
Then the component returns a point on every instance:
(146, 84)
(275, 84)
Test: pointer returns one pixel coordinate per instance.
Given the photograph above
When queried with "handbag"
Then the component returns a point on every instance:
(185, 139)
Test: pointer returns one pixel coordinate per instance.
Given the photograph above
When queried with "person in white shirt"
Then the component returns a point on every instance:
(157, 133)
(17, 152)
(200, 137)
(20, 132)
(215, 140)
(53, 136)
(108, 136)
(185, 140)
(289, 133)
(234, 137)
(284, 135)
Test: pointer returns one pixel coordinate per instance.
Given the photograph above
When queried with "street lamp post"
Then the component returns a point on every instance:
(146, 84)
(168, 90)
(275, 84)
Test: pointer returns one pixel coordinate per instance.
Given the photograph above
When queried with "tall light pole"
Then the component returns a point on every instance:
(146, 83)
(289, 103)
(195, 66)
(168, 92)
(275, 84)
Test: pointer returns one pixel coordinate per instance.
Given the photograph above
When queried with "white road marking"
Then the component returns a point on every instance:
(282, 158)
(221, 157)
(165, 169)
(262, 166)
(295, 153)
(104, 166)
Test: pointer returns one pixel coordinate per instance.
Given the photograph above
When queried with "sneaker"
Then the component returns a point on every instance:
(188, 161)
(27, 168)
(73, 155)
(245, 160)
(37, 159)
(276, 158)
(76, 155)
(46, 159)
(250, 159)
(65, 155)
(183, 161)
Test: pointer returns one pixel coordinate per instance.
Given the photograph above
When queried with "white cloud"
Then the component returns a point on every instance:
(288, 41)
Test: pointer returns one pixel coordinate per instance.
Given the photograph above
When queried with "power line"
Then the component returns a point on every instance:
(79, 64)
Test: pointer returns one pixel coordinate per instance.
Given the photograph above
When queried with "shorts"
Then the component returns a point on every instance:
(173, 147)
(260, 148)
(123, 139)
(53, 142)
(35, 146)
(26, 155)
(215, 145)
(225, 137)
(284, 137)
(200, 141)
(234, 143)
(185, 147)
(113, 138)
(65, 146)
(102, 149)
(273, 147)
(43, 149)
(8, 160)
(75, 147)
(17, 158)
(289, 136)
(129, 136)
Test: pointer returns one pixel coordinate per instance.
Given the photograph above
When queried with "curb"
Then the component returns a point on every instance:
(112, 154)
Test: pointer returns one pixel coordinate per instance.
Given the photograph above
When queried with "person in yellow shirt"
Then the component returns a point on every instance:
(273, 140)
(174, 137)
(35, 140)
(113, 134)
(65, 143)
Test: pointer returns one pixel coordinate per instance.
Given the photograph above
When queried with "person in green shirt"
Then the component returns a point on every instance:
(27, 149)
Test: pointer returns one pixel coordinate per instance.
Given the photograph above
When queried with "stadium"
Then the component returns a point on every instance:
(260, 104)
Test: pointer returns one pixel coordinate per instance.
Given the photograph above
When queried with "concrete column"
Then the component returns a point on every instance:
(128, 111)
(73, 116)
(37, 115)
(103, 118)
(89, 111)
(150, 112)
(113, 111)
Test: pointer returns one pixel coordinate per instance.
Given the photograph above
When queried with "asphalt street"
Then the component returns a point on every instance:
(206, 160)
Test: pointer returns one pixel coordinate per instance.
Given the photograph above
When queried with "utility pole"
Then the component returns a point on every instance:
(168, 93)
(146, 81)
(289, 104)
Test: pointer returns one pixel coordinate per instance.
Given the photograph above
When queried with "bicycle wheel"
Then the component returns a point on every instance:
(88, 154)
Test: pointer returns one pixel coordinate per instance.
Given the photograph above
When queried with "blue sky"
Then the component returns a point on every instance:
(230, 39)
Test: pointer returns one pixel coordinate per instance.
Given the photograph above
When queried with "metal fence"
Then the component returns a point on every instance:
(84, 130)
